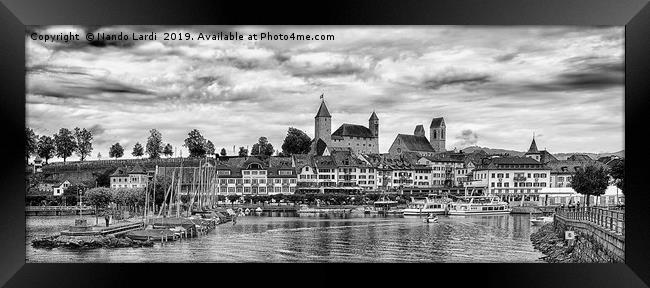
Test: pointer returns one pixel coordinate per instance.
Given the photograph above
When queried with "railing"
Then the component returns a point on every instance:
(610, 218)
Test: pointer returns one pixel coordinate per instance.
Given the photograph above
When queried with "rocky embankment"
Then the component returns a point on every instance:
(87, 242)
(554, 247)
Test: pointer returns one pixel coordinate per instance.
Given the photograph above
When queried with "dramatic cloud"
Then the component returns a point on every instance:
(467, 138)
(500, 82)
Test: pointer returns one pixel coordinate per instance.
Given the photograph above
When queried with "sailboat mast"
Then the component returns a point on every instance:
(180, 183)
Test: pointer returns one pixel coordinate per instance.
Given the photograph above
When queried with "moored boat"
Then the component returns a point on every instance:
(426, 206)
(478, 205)
(538, 221)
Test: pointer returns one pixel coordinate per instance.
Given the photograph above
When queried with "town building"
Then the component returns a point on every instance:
(125, 177)
(443, 169)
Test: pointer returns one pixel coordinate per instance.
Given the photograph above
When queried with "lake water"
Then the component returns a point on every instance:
(332, 238)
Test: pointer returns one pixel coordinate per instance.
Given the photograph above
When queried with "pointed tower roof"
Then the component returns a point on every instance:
(437, 122)
(533, 147)
(322, 111)
(373, 116)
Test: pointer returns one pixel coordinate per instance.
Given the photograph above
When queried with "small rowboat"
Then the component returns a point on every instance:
(430, 219)
(537, 221)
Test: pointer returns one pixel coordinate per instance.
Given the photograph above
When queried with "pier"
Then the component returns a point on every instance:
(58, 210)
(116, 229)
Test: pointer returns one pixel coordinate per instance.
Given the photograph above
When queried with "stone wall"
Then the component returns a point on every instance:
(593, 243)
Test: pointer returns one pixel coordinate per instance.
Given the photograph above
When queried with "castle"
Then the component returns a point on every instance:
(352, 137)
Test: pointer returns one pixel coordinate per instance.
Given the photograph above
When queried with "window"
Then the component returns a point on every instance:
(507, 175)
(223, 172)
(500, 175)
(506, 184)
(284, 172)
(492, 184)
(528, 175)
(247, 172)
(493, 175)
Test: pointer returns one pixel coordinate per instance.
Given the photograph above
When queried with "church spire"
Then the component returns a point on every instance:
(533, 146)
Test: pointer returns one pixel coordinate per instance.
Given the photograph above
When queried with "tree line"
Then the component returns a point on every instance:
(78, 141)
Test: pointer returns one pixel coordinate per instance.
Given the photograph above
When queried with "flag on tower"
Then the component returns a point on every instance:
(321, 95)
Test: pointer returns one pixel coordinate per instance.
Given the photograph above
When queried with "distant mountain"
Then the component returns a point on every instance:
(559, 156)
(471, 149)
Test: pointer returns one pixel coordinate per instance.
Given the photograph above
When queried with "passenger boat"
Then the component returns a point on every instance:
(478, 205)
(426, 206)
(258, 210)
(385, 206)
(538, 221)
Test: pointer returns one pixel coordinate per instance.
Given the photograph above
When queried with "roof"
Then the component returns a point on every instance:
(373, 116)
(437, 122)
(137, 169)
(443, 158)
(546, 157)
(579, 157)
(533, 147)
(415, 143)
(324, 162)
(322, 110)
(570, 166)
(353, 130)
(512, 163)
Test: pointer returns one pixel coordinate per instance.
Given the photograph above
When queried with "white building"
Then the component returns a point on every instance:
(135, 177)
(511, 178)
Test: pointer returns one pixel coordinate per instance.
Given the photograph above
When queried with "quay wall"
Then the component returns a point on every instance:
(593, 244)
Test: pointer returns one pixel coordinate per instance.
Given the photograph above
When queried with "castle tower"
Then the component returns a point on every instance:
(373, 124)
(437, 131)
(323, 124)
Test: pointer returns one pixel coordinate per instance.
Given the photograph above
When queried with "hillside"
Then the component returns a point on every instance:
(559, 156)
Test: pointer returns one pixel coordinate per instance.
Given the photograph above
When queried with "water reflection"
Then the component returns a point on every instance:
(332, 238)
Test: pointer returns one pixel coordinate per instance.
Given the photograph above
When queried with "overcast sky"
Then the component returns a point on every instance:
(494, 85)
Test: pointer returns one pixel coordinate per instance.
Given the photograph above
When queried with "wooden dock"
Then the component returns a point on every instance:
(117, 229)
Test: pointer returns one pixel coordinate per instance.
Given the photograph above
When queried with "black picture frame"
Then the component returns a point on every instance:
(16, 14)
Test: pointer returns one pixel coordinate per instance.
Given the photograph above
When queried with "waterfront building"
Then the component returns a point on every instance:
(541, 156)
(358, 138)
(255, 176)
(443, 169)
(124, 177)
(511, 178)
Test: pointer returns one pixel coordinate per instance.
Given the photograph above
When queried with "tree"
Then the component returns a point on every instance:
(46, 148)
(99, 198)
(84, 140)
(592, 180)
(262, 147)
(99, 156)
(167, 151)
(65, 143)
(243, 152)
(116, 151)
(71, 194)
(296, 142)
(223, 152)
(195, 143)
(618, 173)
(30, 142)
(232, 198)
(209, 148)
(154, 144)
(137, 150)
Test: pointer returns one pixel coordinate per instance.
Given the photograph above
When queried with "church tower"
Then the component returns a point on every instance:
(323, 124)
(532, 151)
(373, 124)
(437, 131)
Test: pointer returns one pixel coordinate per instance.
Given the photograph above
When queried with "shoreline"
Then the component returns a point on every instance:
(547, 241)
